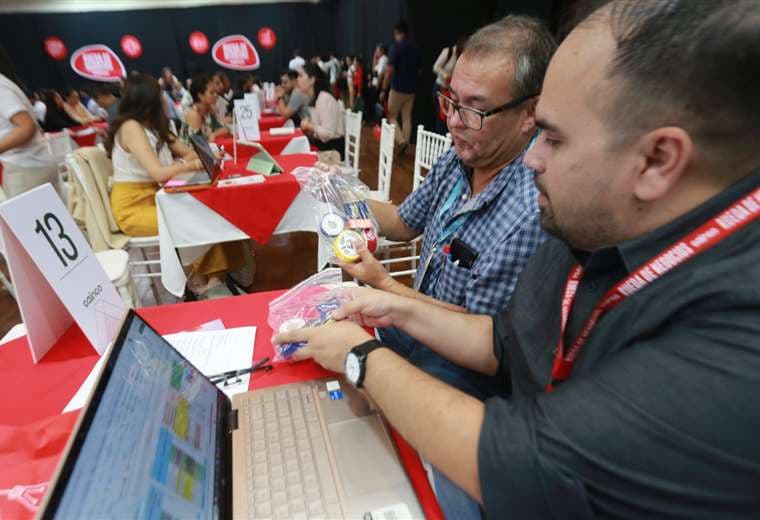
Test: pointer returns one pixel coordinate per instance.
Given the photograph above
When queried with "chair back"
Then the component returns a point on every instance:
(353, 139)
(430, 146)
(385, 161)
(90, 205)
(298, 144)
(58, 145)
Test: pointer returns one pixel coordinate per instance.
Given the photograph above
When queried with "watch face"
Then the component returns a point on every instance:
(352, 367)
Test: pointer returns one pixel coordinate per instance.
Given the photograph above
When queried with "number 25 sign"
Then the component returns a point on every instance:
(56, 275)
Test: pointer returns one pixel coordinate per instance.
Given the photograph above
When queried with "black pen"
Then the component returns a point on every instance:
(218, 378)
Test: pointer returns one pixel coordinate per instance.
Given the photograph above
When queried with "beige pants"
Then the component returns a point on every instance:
(17, 179)
(403, 103)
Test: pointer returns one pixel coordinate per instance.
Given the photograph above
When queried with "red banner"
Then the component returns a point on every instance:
(267, 38)
(131, 46)
(55, 48)
(198, 42)
(236, 52)
(98, 62)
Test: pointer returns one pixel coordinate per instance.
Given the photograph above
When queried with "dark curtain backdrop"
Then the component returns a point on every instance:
(343, 26)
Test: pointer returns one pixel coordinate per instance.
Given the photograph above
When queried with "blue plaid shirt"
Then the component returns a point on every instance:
(503, 227)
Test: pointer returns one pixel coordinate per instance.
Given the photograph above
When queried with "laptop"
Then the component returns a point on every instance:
(158, 440)
(200, 179)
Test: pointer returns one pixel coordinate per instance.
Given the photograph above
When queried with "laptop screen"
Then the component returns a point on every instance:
(205, 154)
(151, 444)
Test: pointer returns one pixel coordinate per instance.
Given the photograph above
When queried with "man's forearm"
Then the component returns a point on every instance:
(396, 287)
(440, 422)
(464, 339)
(391, 225)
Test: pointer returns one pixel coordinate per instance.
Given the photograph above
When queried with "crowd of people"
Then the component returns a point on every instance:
(581, 337)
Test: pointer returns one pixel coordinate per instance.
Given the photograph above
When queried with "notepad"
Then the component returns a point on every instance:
(260, 163)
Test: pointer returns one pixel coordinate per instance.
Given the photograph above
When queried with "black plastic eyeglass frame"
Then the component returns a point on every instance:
(456, 106)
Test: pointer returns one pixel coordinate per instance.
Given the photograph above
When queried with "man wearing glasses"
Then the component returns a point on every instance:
(478, 206)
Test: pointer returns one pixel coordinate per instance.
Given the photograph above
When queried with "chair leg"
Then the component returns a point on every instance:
(152, 280)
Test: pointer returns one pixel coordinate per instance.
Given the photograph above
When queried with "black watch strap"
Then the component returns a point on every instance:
(361, 351)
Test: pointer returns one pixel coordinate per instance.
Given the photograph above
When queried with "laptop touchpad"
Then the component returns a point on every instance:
(366, 459)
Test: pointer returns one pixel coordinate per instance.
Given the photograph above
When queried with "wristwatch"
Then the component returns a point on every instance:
(356, 361)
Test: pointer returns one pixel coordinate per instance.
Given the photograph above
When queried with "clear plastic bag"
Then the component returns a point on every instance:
(308, 304)
(343, 216)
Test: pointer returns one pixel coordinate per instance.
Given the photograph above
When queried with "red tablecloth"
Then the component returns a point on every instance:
(274, 144)
(256, 209)
(33, 433)
(268, 121)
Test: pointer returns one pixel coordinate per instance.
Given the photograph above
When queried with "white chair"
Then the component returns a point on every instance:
(353, 139)
(430, 146)
(384, 163)
(16, 331)
(115, 263)
(297, 145)
(144, 261)
(59, 145)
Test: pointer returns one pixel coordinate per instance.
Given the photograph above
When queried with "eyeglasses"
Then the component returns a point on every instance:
(473, 118)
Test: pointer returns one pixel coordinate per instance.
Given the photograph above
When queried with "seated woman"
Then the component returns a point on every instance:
(75, 109)
(325, 126)
(143, 152)
(56, 118)
(201, 116)
(23, 154)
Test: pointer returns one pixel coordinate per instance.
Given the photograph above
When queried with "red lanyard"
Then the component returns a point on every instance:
(718, 228)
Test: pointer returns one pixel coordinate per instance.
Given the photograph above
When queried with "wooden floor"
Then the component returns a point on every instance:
(286, 259)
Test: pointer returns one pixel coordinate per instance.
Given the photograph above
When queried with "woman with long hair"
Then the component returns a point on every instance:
(75, 109)
(201, 116)
(23, 154)
(143, 152)
(325, 126)
(56, 118)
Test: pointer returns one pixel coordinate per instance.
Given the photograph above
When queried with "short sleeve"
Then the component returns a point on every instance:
(418, 208)
(10, 104)
(639, 435)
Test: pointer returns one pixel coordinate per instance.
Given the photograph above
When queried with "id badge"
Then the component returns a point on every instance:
(422, 270)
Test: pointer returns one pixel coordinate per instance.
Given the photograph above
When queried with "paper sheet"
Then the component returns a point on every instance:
(212, 351)
(216, 351)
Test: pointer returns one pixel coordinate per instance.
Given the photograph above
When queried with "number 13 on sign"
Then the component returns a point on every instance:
(68, 249)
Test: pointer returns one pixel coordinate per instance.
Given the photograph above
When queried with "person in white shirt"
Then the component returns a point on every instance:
(325, 126)
(23, 154)
(297, 62)
(443, 68)
(40, 109)
(224, 90)
(332, 67)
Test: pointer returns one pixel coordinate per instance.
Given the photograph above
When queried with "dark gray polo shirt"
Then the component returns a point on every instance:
(661, 415)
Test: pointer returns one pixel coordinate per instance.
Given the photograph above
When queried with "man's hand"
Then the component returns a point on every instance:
(373, 308)
(368, 270)
(327, 344)
(279, 91)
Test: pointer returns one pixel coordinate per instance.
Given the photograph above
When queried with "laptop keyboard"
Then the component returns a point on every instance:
(290, 475)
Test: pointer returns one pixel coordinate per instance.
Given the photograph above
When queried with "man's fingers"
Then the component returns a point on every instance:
(293, 336)
(302, 353)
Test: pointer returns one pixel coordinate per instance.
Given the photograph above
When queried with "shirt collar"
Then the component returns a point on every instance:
(497, 184)
(637, 251)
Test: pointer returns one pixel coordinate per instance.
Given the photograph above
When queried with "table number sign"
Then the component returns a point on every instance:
(247, 113)
(57, 277)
